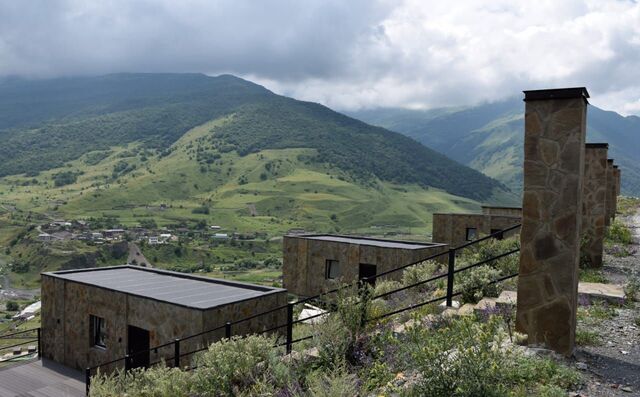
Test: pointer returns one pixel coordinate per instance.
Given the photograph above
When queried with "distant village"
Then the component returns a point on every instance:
(61, 230)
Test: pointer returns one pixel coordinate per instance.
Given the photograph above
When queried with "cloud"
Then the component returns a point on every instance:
(345, 54)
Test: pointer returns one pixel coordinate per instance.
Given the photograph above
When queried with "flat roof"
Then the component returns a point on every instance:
(375, 242)
(166, 286)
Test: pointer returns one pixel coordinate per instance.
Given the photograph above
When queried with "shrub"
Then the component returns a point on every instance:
(332, 340)
(632, 288)
(335, 383)
(232, 365)
(201, 210)
(474, 283)
(12, 306)
(491, 248)
(417, 273)
(618, 233)
(463, 359)
(158, 381)
(384, 286)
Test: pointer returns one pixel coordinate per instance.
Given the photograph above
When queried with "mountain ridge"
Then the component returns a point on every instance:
(489, 137)
(96, 113)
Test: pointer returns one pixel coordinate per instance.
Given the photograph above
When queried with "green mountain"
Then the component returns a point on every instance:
(46, 123)
(192, 150)
(489, 137)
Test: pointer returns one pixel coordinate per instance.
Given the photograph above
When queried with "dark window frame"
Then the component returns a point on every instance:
(473, 230)
(328, 266)
(97, 331)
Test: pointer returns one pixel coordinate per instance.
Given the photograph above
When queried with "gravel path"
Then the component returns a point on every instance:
(613, 368)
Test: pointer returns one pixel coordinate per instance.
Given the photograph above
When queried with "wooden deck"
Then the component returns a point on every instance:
(41, 378)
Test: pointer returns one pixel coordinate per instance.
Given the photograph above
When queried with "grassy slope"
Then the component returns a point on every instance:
(293, 193)
(296, 195)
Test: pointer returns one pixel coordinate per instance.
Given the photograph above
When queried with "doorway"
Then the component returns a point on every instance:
(367, 270)
(138, 342)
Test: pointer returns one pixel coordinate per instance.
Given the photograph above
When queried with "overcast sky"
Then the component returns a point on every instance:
(346, 54)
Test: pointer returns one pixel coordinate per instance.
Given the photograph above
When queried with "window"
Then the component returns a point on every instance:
(331, 269)
(97, 329)
(498, 236)
(472, 233)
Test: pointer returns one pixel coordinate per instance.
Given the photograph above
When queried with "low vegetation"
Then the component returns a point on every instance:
(434, 357)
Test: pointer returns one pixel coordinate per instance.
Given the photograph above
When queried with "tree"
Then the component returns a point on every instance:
(12, 306)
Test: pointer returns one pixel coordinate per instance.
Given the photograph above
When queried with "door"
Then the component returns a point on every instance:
(138, 347)
(367, 270)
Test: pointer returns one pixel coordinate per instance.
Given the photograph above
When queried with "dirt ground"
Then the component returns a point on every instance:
(613, 367)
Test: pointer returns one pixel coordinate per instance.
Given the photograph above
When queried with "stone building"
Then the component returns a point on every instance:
(92, 316)
(457, 229)
(313, 264)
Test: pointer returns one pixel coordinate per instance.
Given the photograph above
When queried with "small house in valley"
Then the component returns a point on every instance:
(313, 263)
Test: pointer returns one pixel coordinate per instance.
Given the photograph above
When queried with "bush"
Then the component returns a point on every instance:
(463, 359)
(618, 233)
(201, 210)
(491, 248)
(466, 358)
(233, 364)
(335, 383)
(632, 288)
(474, 283)
(12, 306)
(417, 273)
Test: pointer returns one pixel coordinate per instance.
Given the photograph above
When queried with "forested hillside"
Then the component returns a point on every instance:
(44, 124)
(489, 137)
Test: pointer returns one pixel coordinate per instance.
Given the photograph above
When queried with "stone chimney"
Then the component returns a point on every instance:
(611, 195)
(554, 147)
(594, 203)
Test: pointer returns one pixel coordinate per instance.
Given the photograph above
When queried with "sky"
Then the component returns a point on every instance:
(348, 54)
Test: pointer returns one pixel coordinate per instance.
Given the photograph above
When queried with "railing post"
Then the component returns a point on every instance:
(452, 265)
(87, 380)
(227, 330)
(176, 353)
(289, 326)
(39, 344)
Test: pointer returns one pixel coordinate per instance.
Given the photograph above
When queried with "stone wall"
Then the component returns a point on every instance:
(554, 147)
(611, 198)
(451, 229)
(304, 262)
(508, 211)
(594, 203)
(67, 305)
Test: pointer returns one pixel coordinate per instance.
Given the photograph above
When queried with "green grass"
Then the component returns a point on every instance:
(587, 338)
(593, 276)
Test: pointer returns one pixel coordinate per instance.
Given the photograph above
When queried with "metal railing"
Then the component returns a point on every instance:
(26, 337)
(289, 341)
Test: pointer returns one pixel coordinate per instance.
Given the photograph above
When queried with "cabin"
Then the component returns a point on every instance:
(92, 316)
(314, 263)
(457, 229)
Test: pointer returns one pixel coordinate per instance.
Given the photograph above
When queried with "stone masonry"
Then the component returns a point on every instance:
(306, 259)
(594, 203)
(67, 306)
(554, 146)
(616, 192)
(610, 193)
